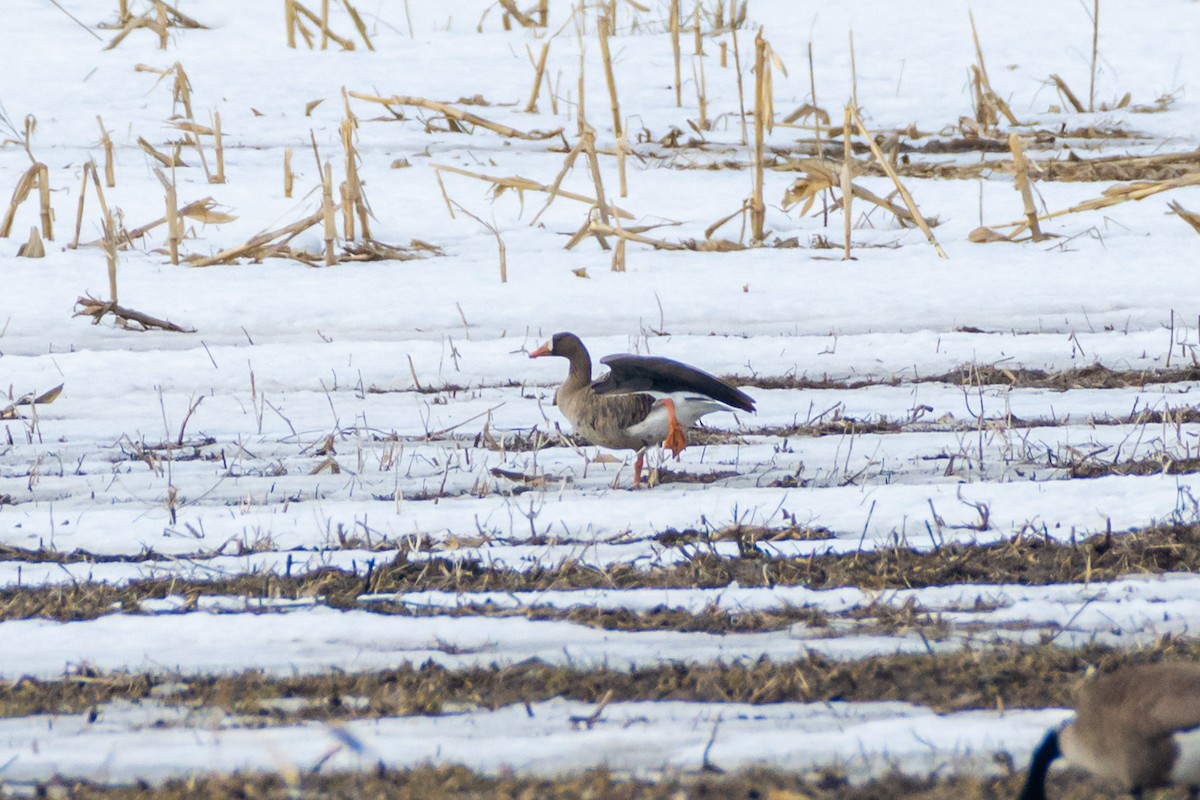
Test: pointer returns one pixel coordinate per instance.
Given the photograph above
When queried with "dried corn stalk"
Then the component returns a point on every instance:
(631, 235)
(457, 115)
(1190, 217)
(603, 28)
(986, 97)
(891, 173)
(758, 208)
(260, 246)
(34, 248)
(673, 13)
(36, 176)
(353, 199)
(539, 71)
(45, 398)
(203, 211)
(1067, 94)
(822, 176)
(520, 184)
(1113, 195)
(172, 160)
(511, 10)
(135, 23)
(106, 142)
(293, 11)
(846, 182)
(1021, 174)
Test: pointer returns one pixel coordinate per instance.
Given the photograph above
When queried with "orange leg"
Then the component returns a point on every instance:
(676, 439)
(637, 469)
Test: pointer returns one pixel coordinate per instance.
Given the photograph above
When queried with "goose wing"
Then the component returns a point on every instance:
(629, 373)
(1154, 698)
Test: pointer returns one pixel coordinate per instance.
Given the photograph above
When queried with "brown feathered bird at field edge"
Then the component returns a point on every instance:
(1139, 726)
(641, 401)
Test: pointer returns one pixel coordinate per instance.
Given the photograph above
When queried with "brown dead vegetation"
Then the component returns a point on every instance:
(709, 620)
(1096, 376)
(459, 783)
(128, 318)
(1066, 165)
(1008, 676)
(160, 18)
(277, 244)
(745, 535)
(80, 602)
(1030, 558)
(876, 618)
(1011, 676)
(455, 119)
(1161, 463)
(663, 475)
(295, 13)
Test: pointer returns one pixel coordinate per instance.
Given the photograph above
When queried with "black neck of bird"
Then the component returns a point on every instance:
(1035, 783)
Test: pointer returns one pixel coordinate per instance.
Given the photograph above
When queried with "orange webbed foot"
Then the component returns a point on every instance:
(676, 439)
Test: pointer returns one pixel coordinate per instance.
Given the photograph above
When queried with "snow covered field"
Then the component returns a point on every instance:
(355, 468)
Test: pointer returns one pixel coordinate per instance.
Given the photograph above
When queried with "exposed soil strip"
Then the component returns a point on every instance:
(425, 543)
(528, 440)
(855, 426)
(1158, 464)
(457, 783)
(1029, 559)
(1009, 676)
(1096, 376)
(871, 618)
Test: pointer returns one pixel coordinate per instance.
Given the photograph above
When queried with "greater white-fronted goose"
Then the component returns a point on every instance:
(1139, 726)
(641, 401)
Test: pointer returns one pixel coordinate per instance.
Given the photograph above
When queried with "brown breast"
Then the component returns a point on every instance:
(605, 419)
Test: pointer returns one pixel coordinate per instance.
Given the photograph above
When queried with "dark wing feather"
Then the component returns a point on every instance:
(622, 379)
(629, 373)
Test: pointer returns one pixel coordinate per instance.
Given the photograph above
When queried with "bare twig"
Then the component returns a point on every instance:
(97, 309)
